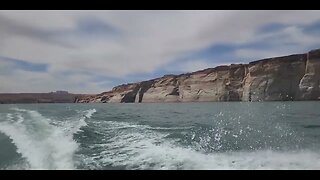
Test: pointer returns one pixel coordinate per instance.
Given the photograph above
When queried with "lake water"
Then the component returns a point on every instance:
(222, 135)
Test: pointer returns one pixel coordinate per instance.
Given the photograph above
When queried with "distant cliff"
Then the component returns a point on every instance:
(54, 97)
(295, 77)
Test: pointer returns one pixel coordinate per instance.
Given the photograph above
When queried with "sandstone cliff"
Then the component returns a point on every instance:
(294, 77)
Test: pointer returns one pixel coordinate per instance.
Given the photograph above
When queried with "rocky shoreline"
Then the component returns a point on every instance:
(30, 98)
(288, 78)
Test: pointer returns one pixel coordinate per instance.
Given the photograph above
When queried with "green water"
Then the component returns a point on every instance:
(224, 135)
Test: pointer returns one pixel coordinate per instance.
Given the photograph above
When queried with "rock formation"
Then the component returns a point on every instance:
(294, 77)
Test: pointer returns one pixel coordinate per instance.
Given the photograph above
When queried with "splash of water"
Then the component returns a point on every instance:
(42, 144)
(140, 147)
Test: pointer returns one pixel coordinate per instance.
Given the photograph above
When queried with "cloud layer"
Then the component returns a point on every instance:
(91, 51)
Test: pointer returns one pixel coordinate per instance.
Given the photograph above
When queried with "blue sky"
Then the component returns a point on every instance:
(92, 51)
(24, 65)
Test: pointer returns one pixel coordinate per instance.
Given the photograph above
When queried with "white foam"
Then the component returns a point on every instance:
(9, 117)
(170, 128)
(151, 150)
(19, 165)
(42, 144)
(90, 112)
(112, 125)
(75, 124)
(20, 118)
(19, 110)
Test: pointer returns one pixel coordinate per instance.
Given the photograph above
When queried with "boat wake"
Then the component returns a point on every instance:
(142, 147)
(42, 143)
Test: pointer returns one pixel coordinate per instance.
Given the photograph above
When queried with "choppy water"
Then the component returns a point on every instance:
(225, 135)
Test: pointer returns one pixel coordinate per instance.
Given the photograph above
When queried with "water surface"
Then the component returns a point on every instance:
(223, 135)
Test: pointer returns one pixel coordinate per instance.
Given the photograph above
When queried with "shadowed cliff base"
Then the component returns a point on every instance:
(288, 78)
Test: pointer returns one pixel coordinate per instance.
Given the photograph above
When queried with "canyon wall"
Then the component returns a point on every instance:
(295, 77)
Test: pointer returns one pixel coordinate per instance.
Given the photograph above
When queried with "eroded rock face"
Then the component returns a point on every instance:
(294, 77)
(223, 83)
(274, 79)
(309, 84)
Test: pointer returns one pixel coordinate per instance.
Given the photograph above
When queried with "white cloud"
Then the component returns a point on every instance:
(26, 81)
(254, 54)
(147, 40)
(194, 65)
(286, 41)
(191, 66)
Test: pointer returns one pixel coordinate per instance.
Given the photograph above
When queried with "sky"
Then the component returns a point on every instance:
(93, 51)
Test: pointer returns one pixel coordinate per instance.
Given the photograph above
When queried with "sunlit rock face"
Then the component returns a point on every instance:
(223, 83)
(274, 79)
(309, 84)
(294, 77)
